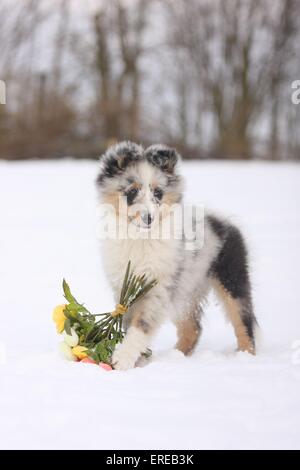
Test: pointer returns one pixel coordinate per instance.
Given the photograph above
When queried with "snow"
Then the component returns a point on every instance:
(216, 399)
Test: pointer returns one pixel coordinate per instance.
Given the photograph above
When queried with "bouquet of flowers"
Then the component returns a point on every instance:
(93, 338)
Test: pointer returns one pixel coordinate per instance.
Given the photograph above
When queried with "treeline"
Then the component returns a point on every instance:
(212, 77)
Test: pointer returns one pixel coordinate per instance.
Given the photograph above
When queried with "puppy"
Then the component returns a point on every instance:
(141, 187)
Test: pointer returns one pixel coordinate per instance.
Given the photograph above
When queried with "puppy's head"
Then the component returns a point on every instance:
(145, 180)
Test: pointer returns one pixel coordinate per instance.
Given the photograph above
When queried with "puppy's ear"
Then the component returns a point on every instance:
(116, 159)
(163, 157)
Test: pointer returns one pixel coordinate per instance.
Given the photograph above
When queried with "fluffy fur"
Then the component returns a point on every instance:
(150, 179)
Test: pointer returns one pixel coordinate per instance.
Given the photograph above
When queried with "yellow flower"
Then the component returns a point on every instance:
(80, 352)
(59, 317)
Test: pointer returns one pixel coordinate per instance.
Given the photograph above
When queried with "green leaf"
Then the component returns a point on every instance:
(69, 297)
(67, 326)
(93, 355)
(124, 286)
(104, 350)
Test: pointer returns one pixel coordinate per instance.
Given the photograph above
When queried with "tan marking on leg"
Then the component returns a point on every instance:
(188, 331)
(233, 309)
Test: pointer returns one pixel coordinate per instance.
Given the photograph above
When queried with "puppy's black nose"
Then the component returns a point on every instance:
(147, 218)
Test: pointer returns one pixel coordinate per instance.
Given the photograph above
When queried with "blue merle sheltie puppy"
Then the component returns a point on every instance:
(149, 182)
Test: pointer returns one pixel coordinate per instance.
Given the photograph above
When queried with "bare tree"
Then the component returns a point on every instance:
(212, 77)
(239, 52)
(119, 47)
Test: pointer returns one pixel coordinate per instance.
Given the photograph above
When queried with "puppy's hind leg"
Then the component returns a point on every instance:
(230, 279)
(189, 330)
(241, 317)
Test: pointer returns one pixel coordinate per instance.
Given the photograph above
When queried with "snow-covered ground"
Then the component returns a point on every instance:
(215, 399)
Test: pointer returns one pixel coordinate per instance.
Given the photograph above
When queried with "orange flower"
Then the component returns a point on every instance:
(80, 352)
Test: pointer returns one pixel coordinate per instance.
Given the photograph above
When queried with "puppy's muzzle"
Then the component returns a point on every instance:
(147, 218)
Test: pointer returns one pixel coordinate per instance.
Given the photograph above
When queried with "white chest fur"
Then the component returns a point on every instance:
(156, 258)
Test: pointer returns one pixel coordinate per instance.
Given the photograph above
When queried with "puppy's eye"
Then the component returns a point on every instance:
(158, 193)
(131, 194)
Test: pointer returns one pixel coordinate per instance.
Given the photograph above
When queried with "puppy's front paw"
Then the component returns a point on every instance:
(122, 359)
